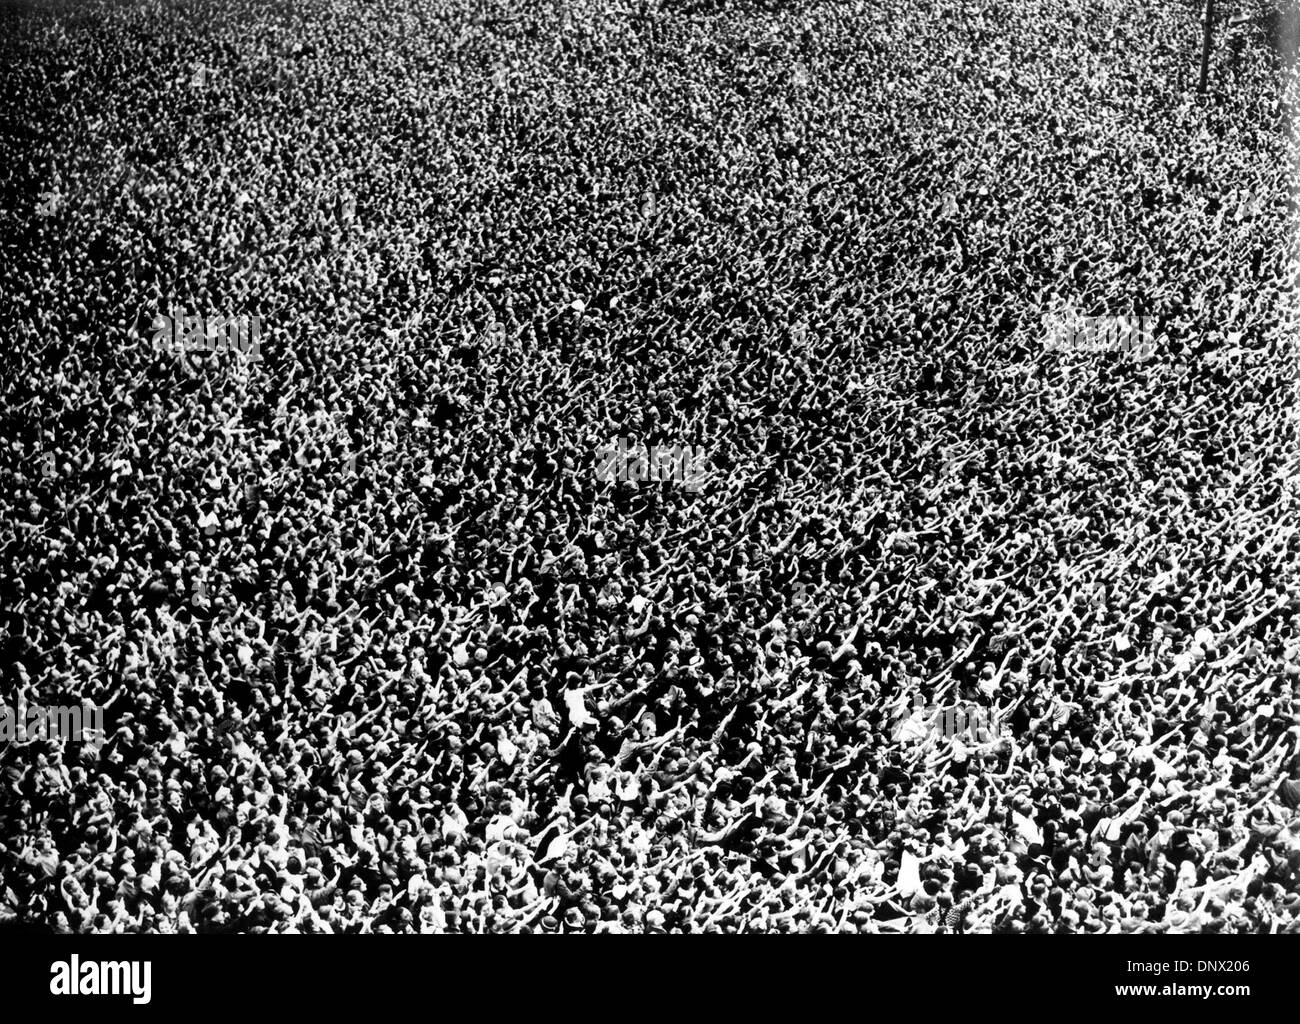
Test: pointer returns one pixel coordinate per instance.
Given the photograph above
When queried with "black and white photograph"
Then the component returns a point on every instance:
(586, 467)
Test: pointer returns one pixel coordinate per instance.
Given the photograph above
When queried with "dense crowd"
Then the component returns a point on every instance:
(379, 652)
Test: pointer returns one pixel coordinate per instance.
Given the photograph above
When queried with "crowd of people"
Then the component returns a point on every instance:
(379, 651)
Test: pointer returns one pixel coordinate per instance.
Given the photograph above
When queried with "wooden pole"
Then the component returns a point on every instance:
(1205, 47)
